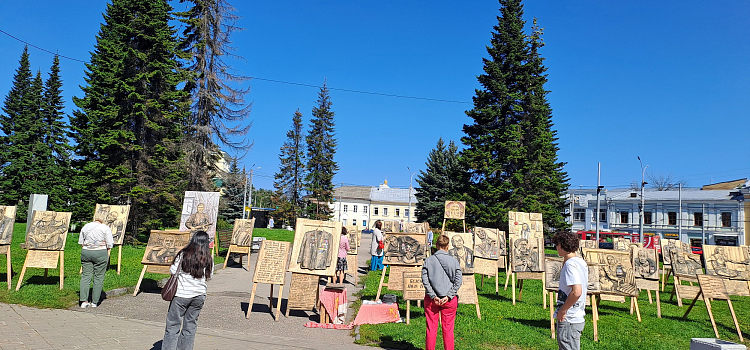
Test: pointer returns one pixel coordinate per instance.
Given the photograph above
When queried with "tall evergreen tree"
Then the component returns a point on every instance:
(511, 153)
(17, 125)
(288, 180)
(129, 124)
(56, 158)
(321, 148)
(216, 101)
(442, 180)
(234, 192)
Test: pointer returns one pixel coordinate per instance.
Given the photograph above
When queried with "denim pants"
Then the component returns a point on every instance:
(569, 335)
(183, 312)
(94, 265)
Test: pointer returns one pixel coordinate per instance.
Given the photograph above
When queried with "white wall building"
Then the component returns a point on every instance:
(363, 205)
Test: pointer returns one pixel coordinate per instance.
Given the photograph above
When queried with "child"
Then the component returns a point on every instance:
(341, 265)
(571, 298)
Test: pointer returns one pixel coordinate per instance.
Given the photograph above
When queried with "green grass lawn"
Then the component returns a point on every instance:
(526, 325)
(38, 291)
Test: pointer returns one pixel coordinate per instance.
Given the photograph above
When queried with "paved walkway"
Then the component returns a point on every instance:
(129, 322)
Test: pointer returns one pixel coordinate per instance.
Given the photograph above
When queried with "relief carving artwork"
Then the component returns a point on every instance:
(114, 216)
(461, 248)
(527, 254)
(162, 247)
(645, 263)
(525, 225)
(489, 243)
(391, 226)
(727, 262)
(48, 230)
(242, 234)
(7, 219)
(455, 210)
(616, 273)
(316, 245)
(404, 249)
(199, 212)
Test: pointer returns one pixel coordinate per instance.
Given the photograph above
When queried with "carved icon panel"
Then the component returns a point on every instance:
(7, 219)
(48, 231)
(199, 212)
(242, 234)
(114, 216)
(163, 246)
(404, 249)
(489, 243)
(525, 225)
(455, 210)
(316, 246)
(391, 226)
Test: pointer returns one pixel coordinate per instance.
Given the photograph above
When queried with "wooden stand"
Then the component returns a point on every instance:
(233, 248)
(270, 301)
(684, 291)
(300, 297)
(667, 271)
(594, 314)
(44, 259)
(648, 286)
(270, 269)
(394, 282)
(160, 269)
(5, 249)
(521, 276)
(712, 287)
(467, 294)
(352, 267)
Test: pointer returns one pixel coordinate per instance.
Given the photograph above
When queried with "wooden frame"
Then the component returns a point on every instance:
(467, 294)
(270, 268)
(45, 242)
(5, 249)
(304, 293)
(309, 238)
(242, 240)
(406, 249)
(454, 210)
(160, 252)
(712, 287)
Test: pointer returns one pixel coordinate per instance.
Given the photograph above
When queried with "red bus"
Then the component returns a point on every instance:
(652, 241)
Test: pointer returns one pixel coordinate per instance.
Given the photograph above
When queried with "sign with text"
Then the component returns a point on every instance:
(271, 265)
(413, 286)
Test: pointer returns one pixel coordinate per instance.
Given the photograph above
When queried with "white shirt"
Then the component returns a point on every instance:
(95, 236)
(187, 285)
(574, 271)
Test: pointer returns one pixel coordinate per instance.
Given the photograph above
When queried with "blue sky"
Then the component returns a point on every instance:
(668, 81)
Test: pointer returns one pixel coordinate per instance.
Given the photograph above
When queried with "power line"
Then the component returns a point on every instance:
(275, 80)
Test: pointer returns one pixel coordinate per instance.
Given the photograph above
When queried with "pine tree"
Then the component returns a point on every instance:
(442, 180)
(234, 192)
(56, 169)
(511, 153)
(321, 148)
(288, 180)
(129, 125)
(216, 101)
(17, 125)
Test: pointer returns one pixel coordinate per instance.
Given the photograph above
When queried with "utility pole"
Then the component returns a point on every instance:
(250, 196)
(598, 190)
(411, 176)
(679, 213)
(244, 199)
(643, 184)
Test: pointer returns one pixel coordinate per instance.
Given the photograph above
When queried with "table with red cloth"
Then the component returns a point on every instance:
(377, 313)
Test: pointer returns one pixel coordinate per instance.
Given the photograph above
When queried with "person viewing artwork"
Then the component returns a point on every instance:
(571, 296)
(376, 247)
(195, 265)
(341, 264)
(96, 242)
(441, 277)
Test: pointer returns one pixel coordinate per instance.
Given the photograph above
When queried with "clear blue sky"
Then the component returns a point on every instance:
(668, 81)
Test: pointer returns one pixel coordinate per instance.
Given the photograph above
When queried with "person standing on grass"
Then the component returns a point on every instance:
(196, 267)
(376, 250)
(571, 297)
(341, 264)
(441, 276)
(96, 242)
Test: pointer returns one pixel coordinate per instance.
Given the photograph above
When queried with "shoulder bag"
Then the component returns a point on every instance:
(170, 288)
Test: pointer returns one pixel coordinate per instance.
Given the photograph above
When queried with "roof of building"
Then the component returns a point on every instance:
(396, 195)
(651, 194)
(352, 192)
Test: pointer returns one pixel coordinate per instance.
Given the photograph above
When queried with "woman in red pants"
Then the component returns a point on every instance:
(441, 276)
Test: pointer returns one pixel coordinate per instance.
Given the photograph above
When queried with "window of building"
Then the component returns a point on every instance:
(579, 215)
(375, 210)
(602, 215)
(697, 219)
(648, 218)
(385, 211)
(343, 222)
(672, 218)
(624, 217)
(354, 222)
(397, 211)
(364, 209)
(345, 208)
(726, 219)
(406, 212)
(354, 208)
(364, 223)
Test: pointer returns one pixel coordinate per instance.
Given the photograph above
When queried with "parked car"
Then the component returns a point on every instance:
(606, 245)
(697, 250)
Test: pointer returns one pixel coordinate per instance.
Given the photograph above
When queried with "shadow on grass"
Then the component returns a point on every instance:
(389, 343)
(41, 280)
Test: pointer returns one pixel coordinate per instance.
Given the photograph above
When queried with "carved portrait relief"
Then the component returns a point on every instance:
(404, 248)
(114, 216)
(199, 212)
(488, 243)
(162, 247)
(525, 225)
(461, 247)
(7, 219)
(455, 210)
(685, 264)
(49, 230)
(527, 255)
(242, 234)
(645, 263)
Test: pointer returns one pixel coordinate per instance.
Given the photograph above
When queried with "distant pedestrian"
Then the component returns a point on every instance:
(196, 267)
(341, 264)
(376, 247)
(270, 222)
(571, 297)
(441, 276)
(96, 242)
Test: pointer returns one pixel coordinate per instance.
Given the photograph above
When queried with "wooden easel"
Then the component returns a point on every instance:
(44, 259)
(238, 250)
(240, 225)
(648, 286)
(684, 291)
(521, 276)
(499, 262)
(666, 272)
(161, 267)
(270, 268)
(467, 294)
(5, 249)
(151, 268)
(621, 299)
(395, 285)
(712, 287)
(594, 313)
(413, 290)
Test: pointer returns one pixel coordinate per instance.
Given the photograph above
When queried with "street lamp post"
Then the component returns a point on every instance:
(411, 176)
(250, 196)
(640, 207)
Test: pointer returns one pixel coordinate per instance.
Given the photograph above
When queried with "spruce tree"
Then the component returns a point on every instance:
(129, 124)
(234, 192)
(442, 180)
(288, 180)
(56, 169)
(321, 148)
(511, 152)
(17, 125)
(216, 101)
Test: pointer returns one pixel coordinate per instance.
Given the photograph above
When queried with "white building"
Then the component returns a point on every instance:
(363, 205)
(713, 214)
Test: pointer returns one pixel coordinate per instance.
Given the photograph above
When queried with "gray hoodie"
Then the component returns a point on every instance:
(441, 275)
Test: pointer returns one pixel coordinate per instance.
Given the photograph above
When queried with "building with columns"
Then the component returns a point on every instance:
(363, 205)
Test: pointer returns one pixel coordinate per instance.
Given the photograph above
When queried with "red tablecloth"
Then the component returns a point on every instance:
(377, 313)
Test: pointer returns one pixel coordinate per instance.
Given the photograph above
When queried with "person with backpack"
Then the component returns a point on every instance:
(441, 276)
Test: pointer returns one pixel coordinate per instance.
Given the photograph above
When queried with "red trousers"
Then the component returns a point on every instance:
(447, 315)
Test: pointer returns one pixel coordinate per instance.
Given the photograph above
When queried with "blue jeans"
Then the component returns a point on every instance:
(376, 263)
(569, 335)
(183, 313)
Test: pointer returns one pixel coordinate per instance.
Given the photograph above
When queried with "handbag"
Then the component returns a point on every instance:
(170, 288)
(381, 245)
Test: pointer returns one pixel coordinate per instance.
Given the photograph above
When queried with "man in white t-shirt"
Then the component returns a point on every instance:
(571, 297)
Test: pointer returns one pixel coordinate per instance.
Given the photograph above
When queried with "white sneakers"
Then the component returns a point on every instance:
(86, 304)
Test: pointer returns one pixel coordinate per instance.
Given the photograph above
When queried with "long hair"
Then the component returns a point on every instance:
(196, 256)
